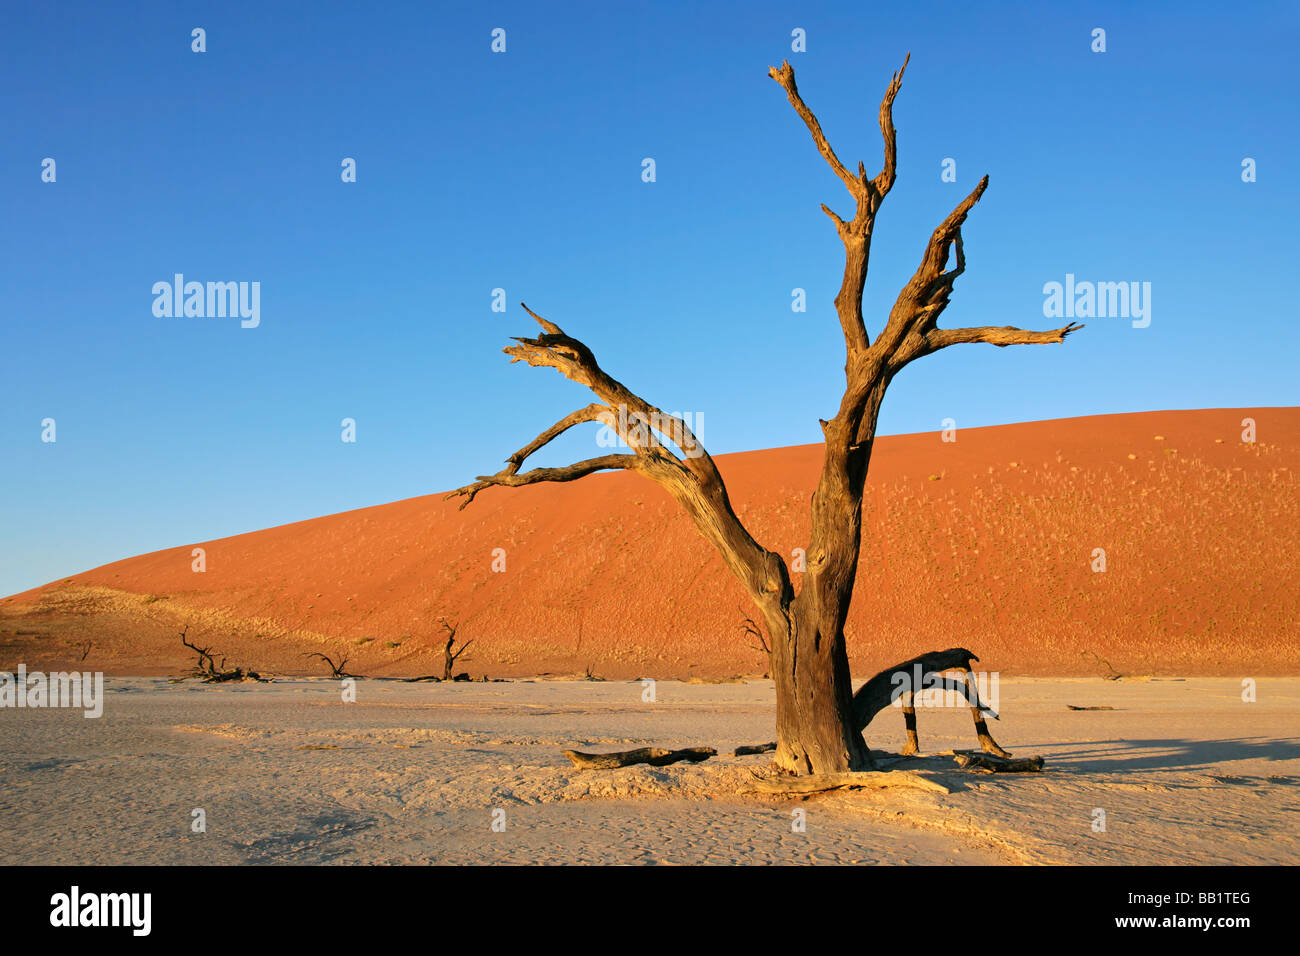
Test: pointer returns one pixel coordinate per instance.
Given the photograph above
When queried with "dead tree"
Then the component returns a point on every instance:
(448, 657)
(336, 670)
(816, 730)
(1111, 673)
(210, 671)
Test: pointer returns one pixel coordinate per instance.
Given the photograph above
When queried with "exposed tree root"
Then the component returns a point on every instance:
(875, 779)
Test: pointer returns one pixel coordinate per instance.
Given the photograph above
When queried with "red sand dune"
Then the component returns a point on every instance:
(986, 543)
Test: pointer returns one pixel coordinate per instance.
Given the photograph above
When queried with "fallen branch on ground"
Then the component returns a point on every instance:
(991, 763)
(655, 756)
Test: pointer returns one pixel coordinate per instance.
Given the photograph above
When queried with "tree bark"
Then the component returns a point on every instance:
(814, 694)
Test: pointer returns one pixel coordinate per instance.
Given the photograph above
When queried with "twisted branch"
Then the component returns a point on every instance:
(692, 479)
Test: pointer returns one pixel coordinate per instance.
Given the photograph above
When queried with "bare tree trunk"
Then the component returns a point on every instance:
(814, 697)
(816, 729)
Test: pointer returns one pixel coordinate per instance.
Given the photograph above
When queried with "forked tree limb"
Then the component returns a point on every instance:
(859, 186)
(589, 413)
(509, 475)
(912, 329)
(921, 301)
(884, 182)
(868, 193)
(924, 298)
(693, 479)
(534, 476)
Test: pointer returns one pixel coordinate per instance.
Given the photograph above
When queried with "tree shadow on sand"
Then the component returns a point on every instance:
(1137, 756)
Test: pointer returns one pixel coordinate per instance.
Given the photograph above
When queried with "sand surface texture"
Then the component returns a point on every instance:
(1185, 771)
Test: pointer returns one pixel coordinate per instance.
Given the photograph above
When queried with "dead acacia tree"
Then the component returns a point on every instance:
(336, 670)
(448, 657)
(211, 671)
(816, 729)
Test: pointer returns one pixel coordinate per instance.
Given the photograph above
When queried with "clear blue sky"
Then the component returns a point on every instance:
(522, 170)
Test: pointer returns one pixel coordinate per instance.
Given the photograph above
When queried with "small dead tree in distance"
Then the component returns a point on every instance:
(211, 671)
(336, 670)
(750, 629)
(816, 729)
(449, 656)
